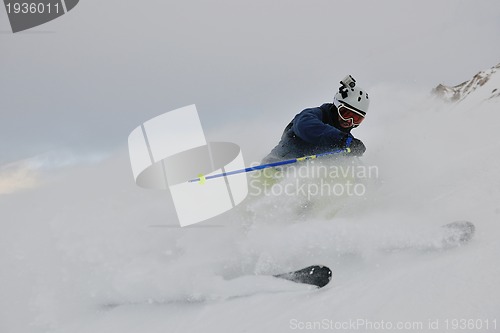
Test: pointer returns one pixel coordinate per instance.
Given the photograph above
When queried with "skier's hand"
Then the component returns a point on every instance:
(357, 147)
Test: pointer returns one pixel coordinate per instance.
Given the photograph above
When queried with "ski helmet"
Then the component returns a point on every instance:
(352, 95)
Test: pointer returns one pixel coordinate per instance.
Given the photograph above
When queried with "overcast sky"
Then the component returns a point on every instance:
(84, 81)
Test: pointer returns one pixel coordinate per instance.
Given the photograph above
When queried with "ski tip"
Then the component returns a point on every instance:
(315, 275)
(326, 272)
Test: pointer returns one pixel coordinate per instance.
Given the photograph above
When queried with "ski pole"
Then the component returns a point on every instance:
(201, 178)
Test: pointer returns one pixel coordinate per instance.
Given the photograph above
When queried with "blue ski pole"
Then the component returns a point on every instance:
(202, 178)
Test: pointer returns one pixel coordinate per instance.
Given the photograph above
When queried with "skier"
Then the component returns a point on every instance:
(325, 128)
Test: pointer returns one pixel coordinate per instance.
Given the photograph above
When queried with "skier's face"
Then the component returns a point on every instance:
(349, 117)
(345, 124)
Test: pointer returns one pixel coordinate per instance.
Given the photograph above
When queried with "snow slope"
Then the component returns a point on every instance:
(88, 251)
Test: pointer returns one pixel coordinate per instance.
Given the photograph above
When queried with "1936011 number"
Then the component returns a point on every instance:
(470, 324)
(32, 8)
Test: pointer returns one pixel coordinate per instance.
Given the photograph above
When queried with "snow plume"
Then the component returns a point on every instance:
(91, 252)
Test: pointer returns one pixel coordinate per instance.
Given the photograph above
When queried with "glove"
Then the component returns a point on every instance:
(357, 147)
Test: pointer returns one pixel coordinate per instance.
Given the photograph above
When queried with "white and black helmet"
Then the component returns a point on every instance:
(352, 95)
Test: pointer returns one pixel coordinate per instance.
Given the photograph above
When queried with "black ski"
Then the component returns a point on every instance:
(315, 275)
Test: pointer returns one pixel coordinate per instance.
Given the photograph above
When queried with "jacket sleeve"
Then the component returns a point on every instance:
(308, 126)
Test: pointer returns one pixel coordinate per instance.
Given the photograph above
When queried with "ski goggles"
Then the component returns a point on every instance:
(349, 114)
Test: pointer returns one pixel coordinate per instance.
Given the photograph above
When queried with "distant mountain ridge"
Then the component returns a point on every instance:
(485, 85)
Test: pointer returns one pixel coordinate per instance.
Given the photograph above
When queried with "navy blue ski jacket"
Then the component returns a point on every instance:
(312, 131)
